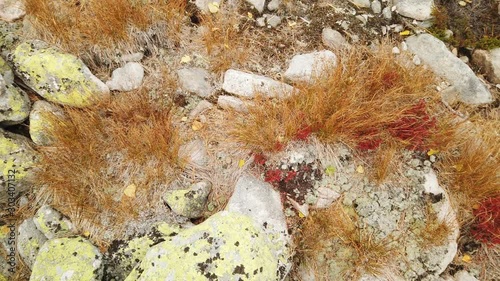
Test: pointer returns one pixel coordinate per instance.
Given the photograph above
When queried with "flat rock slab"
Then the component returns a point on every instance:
(415, 9)
(308, 67)
(434, 53)
(195, 80)
(250, 85)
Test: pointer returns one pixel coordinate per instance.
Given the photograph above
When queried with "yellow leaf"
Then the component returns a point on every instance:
(185, 59)
(404, 33)
(197, 125)
(360, 169)
(330, 170)
(432, 152)
(250, 15)
(466, 258)
(476, 206)
(4, 229)
(86, 233)
(458, 167)
(301, 215)
(130, 190)
(241, 163)
(292, 23)
(213, 7)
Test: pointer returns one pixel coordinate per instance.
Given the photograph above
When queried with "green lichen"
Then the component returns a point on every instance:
(18, 105)
(16, 156)
(51, 223)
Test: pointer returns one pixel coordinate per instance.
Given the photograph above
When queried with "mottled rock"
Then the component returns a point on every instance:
(58, 77)
(489, 63)
(195, 80)
(189, 202)
(67, 259)
(11, 10)
(29, 241)
(249, 85)
(14, 104)
(52, 223)
(41, 116)
(126, 78)
(258, 4)
(333, 39)
(194, 153)
(126, 256)
(308, 67)
(415, 9)
(434, 53)
(376, 7)
(230, 102)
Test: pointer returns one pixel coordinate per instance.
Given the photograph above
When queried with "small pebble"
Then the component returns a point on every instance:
(432, 158)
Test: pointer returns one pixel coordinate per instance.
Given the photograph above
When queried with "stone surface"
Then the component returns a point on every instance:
(249, 85)
(376, 7)
(434, 53)
(189, 202)
(273, 20)
(29, 241)
(58, 77)
(227, 246)
(14, 103)
(127, 256)
(194, 153)
(201, 107)
(126, 78)
(415, 9)
(202, 5)
(195, 80)
(308, 67)
(52, 223)
(463, 275)
(273, 5)
(231, 103)
(41, 117)
(67, 259)
(258, 4)
(361, 3)
(489, 63)
(11, 10)
(326, 197)
(333, 39)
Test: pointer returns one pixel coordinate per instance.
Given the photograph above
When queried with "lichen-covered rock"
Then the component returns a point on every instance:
(52, 223)
(56, 76)
(195, 80)
(126, 256)
(14, 104)
(41, 116)
(9, 36)
(189, 202)
(67, 259)
(17, 160)
(227, 246)
(29, 241)
(489, 63)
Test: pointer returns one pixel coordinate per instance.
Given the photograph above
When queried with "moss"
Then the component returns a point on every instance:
(488, 43)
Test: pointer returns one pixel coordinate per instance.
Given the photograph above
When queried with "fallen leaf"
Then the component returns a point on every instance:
(404, 33)
(241, 163)
(301, 215)
(250, 15)
(197, 125)
(360, 169)
(186, 59)
(466, 258)
(292, 23)
(462, 3)
(458, 167)
(86, 233)
(213, 7)
(184, 119)
(330, 170)
(130, 190)
(432, 152)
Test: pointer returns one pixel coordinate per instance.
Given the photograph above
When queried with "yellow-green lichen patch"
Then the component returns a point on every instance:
(58, 77)
(29, 241)
(189, 202)
(52, 223)
(41, 121)
(227, 246)
(125, 256)
(14, 106)
(67, 259)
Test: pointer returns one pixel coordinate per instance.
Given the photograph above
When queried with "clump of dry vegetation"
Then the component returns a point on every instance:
(126, 143)
(435, 231)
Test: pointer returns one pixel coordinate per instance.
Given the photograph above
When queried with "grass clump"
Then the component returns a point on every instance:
(99, 152)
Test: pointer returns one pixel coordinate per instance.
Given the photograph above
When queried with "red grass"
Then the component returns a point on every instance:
(274, 176)
(487, 225)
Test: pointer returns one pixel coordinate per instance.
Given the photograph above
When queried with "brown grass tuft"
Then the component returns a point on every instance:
(435, 231)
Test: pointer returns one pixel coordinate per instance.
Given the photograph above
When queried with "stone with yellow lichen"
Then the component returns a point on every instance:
(189, 202)
(14, 102)
(29, 242)
(227, 246)
(42, 117)
(56, 76)
(52, 223)
(73, 258)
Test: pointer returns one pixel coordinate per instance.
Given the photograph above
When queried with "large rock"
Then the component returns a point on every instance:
(311, 66)
(127, 256)
(52, 223)
(415, 9)
(29, 241)
(434, 53)
(41, 117)
(227, 246)
(14, 104)
(189, 202)
(195, 80)
(11, 10)
(126, 78)
(250, 85)
(67, 259)
(489, 62)
(58, 77)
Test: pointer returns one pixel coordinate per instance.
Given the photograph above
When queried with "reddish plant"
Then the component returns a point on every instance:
(487, 225)
(278, 146)
(259, 159)
(274, 176)
(389, 79)
(303, 133)
(290, 176)
(368, 140)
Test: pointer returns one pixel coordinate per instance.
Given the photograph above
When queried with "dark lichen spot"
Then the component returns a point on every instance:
(240, 269)
(237, 243)
(75, 254)
(185, 250)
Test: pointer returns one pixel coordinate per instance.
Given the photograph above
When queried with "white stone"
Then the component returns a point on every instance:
(361, 3)
(126, 78)
(202, 5)
(258, 4)
(11, 10)
(307, 67)
(273, 5)
(195, 80)
(232, 103)
(135, 57)
(249, 85)
(333, 39)
(463, 275)
(434, 53)
(201, 107)
(416, 60)
(415, 9)
(273, 20)
(489, 63)
(387, 13)
(395, 50)
(465, 59)
(376, 7)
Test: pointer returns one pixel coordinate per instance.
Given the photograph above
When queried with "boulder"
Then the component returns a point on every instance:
(124, 257)
(311, 66)
(11, 10)
(415, 9)
(189, 202)
(489, 63)
(126, 78)
(333, 39)
(41, 117)
(29, 241)
(250, 85)
(52, 223)
(442, 62)
(195, 80)
(58, 77)
(14, 104)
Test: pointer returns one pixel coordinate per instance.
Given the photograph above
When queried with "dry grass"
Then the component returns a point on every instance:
(335, 227)
(435, 231)
(100, 151)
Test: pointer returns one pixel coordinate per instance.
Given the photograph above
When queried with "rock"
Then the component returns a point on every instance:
(67, 259)
(489, 62)
(29, 241)
(202, 5)
(41, 115)
(5, 265)
(194, 153)
(249, 85)
(415, 9)
(261, 22)
(258, 4)
(230, 102)
(58, 77)
(308, 67)
(135, 57)
(201, 107)
(273, 5)
(126, 78)
(333, 39)
(17, 161)
(463, 275)
(227, 246)
(434, 53)
(14, 104)
(189, 202)
(195, 80)
(6, 72)
(376, 7)
(361, 3)
(127, 256)
(396, 51)
(11, 10)
(52, 223)
(273, 20)
(387, 13)
(326, 197)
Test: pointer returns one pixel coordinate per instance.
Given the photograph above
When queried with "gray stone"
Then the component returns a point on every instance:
(190, 202)
(201, 107)
(307, 67)
(489, 62)
(434, 53)
(231, 103)
(463, 275)
(202, 5)
(14, 104)
(40, 121)
(415, 9)
(361, 3)
(376, 7)
(273, 5)
(52, 223)
(195, 80)
(387, 13)
(11, 10)
(249, 85)
(273, 20)
(29, 241)
(126, 78)
(194, 153)
(333, 39)
(135, 57)
(258, 4)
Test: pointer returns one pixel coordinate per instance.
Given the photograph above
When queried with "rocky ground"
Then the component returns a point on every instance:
(250, 140)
